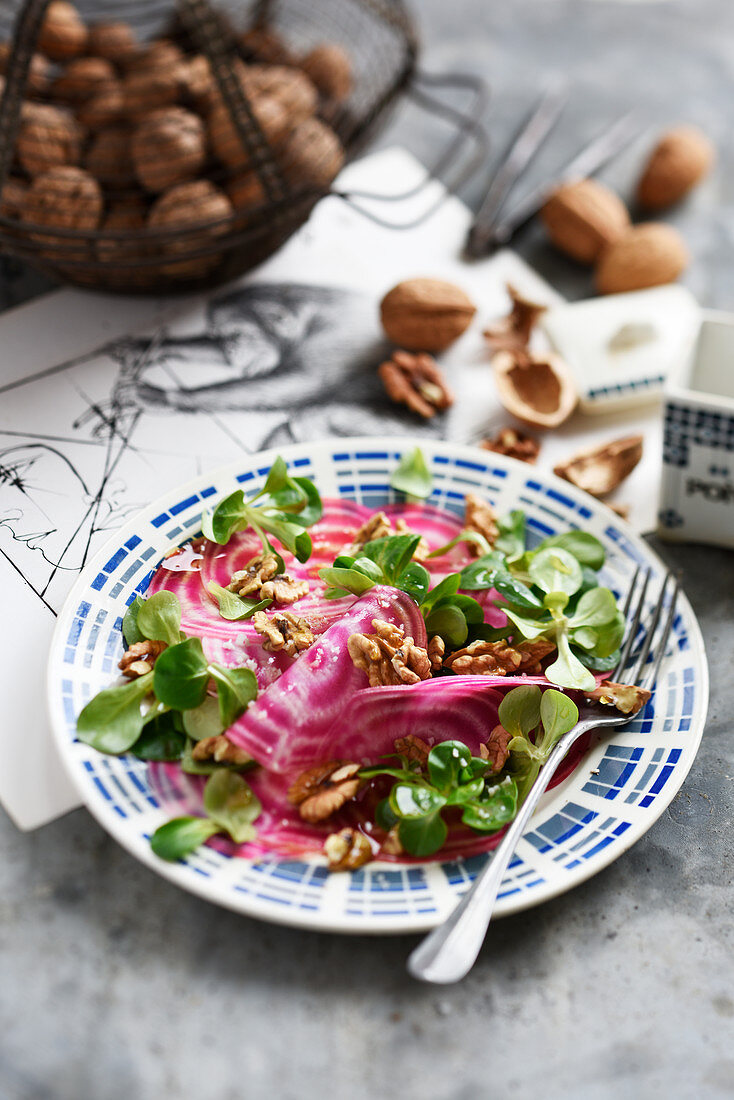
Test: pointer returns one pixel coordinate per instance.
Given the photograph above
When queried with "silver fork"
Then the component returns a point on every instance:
(448, 953)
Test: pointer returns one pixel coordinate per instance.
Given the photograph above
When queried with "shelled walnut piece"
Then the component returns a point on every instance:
(388, 657)
(496, 751)
(260, 578)
(139, 659)
(482, 658)
(221, 750)
(323, 789)
(514, 444)
(347, 850)
(627, 698)
(284, 632)
(479, 516)
(416, 380)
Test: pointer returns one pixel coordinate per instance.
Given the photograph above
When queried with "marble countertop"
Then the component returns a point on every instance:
(117, 985)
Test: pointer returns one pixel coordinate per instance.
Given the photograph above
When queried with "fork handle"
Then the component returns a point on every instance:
(448, 953)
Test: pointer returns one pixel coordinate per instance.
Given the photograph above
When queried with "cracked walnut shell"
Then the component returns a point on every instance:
(168, 148)
(513, 332)
(426, 314)
(536, 388)
(600, 470)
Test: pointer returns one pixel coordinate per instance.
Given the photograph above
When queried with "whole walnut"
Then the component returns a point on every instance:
(295, 91)
(63, 198)
(63, 33)
(104, 108)
(115, 42)
(38, 70)
(168, 148)
(312, 154)
(147, 89)
(197, 205)
(196, 83)
(48, 136)
(330, 68)
(225, 139)
(264, 44)
(159, 55)
(245, 190)
(128, 216)
(12, 197)
(109, 157)
(83, 78)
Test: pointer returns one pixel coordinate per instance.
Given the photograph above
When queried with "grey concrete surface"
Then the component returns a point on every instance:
(114, 984)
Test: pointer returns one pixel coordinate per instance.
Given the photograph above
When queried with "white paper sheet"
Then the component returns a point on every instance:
(289, 353)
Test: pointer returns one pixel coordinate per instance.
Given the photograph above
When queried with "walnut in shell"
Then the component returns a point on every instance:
(82, 78)
(168, 147)
(426, 314)
(123, 217)
(680, 160)
(63, 34)
(600, 470)
(650, 254)
(197, 83)
(330, 68)
(103, 109)
(536, 388)
(63, 198)
(312, 154)
(245, 191)
(265, 44)
(48, 137)
(116, 42)
(38, 70)
(584, 217)
(109, 157)
(149, 89)
(12, 197)
(224, 136)
(160, 55)
(186, 207)
(295, 91)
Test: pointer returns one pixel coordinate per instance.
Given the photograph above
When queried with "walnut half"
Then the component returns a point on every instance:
(140, 658)
(283, 631)
(388, 657)
(347, 850)
(322, 790)
(260, 577)
(625, 697)
(479, 516)
(484, 659)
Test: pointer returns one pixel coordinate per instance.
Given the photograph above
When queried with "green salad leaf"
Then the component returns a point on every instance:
(412, 476)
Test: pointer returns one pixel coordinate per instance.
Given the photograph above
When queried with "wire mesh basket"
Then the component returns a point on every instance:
(166, 146)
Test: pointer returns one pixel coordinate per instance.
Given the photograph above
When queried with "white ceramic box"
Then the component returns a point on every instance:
(697, 489)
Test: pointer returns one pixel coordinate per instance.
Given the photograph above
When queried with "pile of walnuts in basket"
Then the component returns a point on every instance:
(117, 135)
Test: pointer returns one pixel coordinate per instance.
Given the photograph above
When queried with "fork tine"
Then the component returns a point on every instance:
(650, 632)
(632, 628)
(660, 653)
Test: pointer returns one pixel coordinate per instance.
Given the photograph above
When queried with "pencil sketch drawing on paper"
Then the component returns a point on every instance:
(86, 443)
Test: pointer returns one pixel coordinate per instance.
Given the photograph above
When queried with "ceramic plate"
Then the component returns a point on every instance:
(620, 788)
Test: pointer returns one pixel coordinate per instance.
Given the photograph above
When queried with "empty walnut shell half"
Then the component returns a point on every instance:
(536, 388)
(602, 469)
